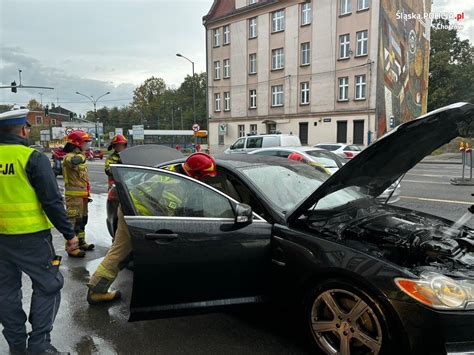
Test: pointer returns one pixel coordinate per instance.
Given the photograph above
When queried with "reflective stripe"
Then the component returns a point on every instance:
(76, 193)
(20, 208)
(102, 271)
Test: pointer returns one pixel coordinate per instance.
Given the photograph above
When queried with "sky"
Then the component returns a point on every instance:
(95, 46)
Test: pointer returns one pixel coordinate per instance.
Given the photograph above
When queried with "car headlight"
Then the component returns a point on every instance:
(439, 291)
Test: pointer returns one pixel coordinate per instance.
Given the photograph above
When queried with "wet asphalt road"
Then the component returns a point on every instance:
(84, 329)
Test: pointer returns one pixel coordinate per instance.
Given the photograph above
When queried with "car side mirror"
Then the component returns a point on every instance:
(243, 214)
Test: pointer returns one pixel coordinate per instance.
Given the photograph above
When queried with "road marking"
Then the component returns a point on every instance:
(426, 182)
(436, 200)
(431, 175)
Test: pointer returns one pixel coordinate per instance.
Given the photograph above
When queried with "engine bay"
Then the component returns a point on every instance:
(407, 238)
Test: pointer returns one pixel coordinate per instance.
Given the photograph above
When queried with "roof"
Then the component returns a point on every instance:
(296, 149)
(224, 8)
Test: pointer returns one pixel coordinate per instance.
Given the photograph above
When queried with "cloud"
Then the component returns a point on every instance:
(35, 73)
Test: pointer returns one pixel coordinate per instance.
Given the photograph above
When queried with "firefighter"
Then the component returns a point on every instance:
(30, 204)
(77, 187)
(160, 193)
(300, 157)
(118, 144)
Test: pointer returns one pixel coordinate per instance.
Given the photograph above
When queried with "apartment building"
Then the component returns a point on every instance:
(326, 70)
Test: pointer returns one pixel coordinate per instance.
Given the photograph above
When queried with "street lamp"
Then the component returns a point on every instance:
(94, 102)
(194, 89)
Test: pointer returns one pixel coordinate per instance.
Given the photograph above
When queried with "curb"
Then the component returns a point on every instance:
(440, 162)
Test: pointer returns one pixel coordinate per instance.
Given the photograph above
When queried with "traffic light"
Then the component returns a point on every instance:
(392, 121)
(13, 85)
(46, 111)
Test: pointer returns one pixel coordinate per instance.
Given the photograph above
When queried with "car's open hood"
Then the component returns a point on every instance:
(383, 162)
(149, 155)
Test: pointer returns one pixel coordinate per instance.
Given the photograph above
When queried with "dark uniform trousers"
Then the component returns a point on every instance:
(33, 255)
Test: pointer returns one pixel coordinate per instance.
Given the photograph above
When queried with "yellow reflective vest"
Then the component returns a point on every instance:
(20, 208)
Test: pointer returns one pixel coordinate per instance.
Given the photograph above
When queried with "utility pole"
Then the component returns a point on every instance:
(41, 98)
(94, 102)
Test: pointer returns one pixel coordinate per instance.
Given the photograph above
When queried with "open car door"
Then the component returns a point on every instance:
(194, 248)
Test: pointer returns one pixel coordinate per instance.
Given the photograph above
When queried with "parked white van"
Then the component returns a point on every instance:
(249, 143)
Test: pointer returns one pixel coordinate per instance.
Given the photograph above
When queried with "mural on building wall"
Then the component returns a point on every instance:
(404, 49)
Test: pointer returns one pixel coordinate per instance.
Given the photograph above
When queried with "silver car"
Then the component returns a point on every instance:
(346, 151)
(328, 161)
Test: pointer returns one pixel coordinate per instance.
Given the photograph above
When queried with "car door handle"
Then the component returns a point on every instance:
(161, 236)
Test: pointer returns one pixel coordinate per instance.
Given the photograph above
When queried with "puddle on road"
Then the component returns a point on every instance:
(93, 345)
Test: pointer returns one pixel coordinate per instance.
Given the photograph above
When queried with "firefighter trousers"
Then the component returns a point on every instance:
(109, 268)
(77, 208)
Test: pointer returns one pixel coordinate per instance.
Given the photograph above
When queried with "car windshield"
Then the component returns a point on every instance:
(288, 186)
(328, 146)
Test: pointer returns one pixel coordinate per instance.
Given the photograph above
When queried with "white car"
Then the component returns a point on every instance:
(249, 143)
(346, 151)
(330, 162)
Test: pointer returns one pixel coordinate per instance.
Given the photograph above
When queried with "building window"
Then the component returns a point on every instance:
(278, 21)
(278, 59)
(253, 129)
(344, 43)
(253, 63)
(305, 53)
(346, 7)
(39, 120)
(241, 129)
(227, 101)
(221, 139)
(226, 34)
(277, 95)
(362, 40)
(360, 86)
(305, 13)
(343, 88)
(217, 37)
(305, 93)
(217, 70)
(251, 2)
(362, 5)
(253, 98)
(253, 27)
(53, 122)
(226, 68)
(217, 102)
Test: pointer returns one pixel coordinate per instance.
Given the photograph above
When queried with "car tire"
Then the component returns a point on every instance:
(328, 309)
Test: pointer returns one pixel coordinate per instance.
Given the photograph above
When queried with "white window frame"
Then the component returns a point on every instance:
(343, 87)
(253, 27)
(253, 98)
(253, 63)
(217, 70)
(217, 102)
(360, 87)
(305, 53)
(277, 96)
(253, 129)
(362, 43)
(362, 5)
(345, 7)
(227, 101)
(278, 21)
(226, 69)
(306, 13)
(226, 31)
(217, 37)
(304, 93)
(344, 46)
(278, 59)
(241, 130)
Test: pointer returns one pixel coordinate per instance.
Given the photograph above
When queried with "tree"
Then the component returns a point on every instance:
(34, 105)
(451, 67)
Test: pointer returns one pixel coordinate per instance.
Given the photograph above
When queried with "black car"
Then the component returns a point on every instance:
(371, 278)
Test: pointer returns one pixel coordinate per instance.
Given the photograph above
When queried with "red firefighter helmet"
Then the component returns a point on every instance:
(200, 165)
(297, 157)
(118, 138)
(78, 138)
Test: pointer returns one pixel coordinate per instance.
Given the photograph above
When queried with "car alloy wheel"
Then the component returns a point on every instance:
(343, 323)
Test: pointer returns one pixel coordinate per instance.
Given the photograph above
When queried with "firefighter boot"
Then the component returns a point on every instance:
(83, 245)
(96, 297)
(76, 253)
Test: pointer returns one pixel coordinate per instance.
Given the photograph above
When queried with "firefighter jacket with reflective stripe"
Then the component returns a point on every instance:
(20, 208)
(113, 158)
(76, 178)
(158, 196)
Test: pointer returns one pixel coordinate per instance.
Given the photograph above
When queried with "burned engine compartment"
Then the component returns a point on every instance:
(407, 238)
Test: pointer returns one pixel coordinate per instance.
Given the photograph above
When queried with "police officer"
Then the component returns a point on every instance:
(118, 144)
(159, 193)
(77, 187)
(30, 204)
